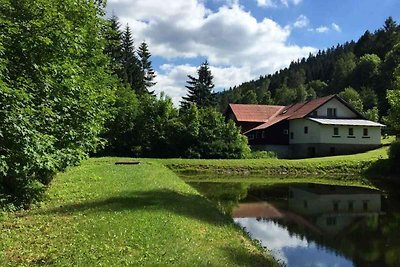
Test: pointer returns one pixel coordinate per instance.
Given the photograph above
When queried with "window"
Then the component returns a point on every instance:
(257, 135)
(351, 131)
(263, 134)
(331, 112)
(251, 136)
(335, 206)
(365, 205)
(330, 221)
(336, 131)
(285, 131)
(365, 132)
(306, 129)
(291, 135)
(314, 113)
(351, 206)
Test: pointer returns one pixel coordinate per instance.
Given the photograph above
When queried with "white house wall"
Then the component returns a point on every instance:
(323, 134)
(342, 111)
(299, 137)
(374, 134)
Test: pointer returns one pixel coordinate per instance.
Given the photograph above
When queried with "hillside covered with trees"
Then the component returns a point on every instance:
(360, 71)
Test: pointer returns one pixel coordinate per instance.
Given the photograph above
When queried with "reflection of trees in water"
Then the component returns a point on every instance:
(368, 241)
(225, 195)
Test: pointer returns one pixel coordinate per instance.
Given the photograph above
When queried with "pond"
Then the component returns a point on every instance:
(304, 224)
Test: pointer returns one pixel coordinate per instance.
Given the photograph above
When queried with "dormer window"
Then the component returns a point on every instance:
(331, 112)
(314, 113)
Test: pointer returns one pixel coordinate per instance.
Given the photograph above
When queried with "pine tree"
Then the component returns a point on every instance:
(130, 63)
(200, 89)
(147, 73)
(113, 47)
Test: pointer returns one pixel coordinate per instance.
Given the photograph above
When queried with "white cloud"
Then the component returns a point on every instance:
(301, 22)
(336, 27)
(277, 3)
(172, 78)
(237, 45)
(322, 29)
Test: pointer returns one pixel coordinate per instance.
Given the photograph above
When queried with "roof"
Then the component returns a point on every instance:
(254, 113)
(269, 115)
(306, 108)
(298, 110)
(347, 122)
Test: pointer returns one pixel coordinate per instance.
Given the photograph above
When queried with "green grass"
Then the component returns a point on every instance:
(100, 214)
(343, 166)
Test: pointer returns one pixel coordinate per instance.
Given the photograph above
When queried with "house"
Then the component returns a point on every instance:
(333, 208)
(319, 127)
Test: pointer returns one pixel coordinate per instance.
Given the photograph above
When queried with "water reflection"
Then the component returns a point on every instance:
(316, 225)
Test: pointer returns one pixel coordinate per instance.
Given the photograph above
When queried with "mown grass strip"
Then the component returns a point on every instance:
(348, 165)
(101, 214)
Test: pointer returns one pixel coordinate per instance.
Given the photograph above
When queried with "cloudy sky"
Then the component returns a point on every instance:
(242, 39)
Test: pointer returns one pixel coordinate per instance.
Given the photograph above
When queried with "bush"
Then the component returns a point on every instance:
(394, 150)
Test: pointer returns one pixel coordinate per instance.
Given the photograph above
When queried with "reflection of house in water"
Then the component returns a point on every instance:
(332, 208)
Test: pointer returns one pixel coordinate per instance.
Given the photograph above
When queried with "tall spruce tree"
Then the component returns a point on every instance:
(200, 89)
(147, 72)
(130, 63)
(113, 47)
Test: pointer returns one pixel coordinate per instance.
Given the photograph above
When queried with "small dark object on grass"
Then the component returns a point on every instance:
(127, 163)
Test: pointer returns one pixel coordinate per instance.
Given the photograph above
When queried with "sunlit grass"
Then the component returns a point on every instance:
(100, 214)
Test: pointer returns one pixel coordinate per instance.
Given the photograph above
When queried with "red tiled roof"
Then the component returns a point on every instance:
(310, 106)
(254, 113)
(271, 115)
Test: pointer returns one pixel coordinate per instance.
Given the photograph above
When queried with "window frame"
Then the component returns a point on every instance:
(331, 113)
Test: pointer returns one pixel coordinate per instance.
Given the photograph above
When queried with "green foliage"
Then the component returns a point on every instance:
(200, 88)
(285, 96)
(372, 114)
(218, 139)
(394, 150)
(393, 96)
(55, 90)
(352, 97)
(251, 98)
(147, 73)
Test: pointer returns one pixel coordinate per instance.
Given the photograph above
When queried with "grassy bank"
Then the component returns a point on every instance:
(368, 163)
(100, 214)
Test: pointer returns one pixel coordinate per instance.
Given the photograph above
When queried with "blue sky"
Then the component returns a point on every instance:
(242, 39)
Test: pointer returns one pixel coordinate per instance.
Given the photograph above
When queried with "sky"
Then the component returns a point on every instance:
(242, 39)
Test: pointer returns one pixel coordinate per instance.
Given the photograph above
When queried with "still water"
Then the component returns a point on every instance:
(315, 224)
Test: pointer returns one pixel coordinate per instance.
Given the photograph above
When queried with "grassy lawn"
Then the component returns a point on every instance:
(100, 214)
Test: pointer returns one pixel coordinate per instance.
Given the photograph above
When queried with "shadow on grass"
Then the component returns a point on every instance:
(242, 257)
(189, 205)
(383, 168)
